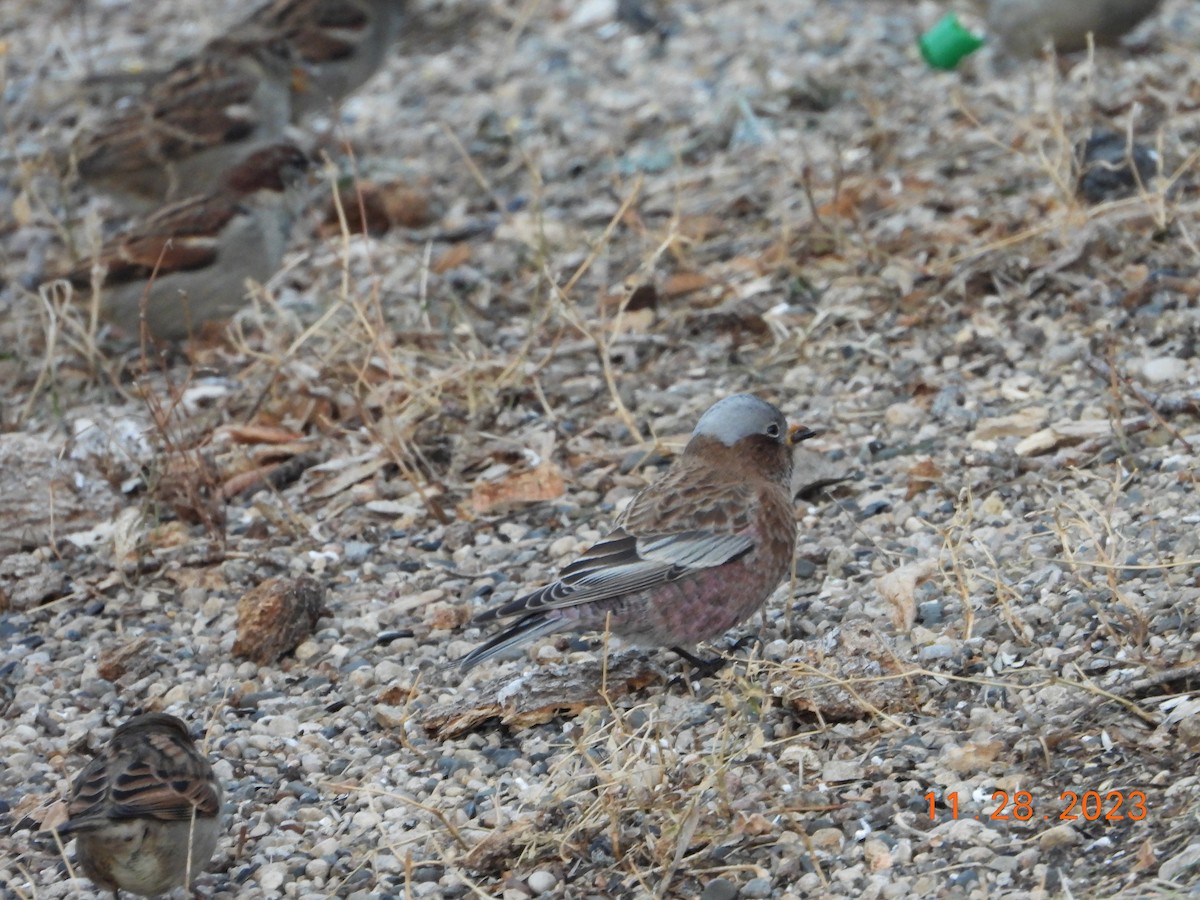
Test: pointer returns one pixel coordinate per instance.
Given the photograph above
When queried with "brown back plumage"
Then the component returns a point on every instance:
(150, 769)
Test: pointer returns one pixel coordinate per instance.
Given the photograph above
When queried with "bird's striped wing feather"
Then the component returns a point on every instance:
(622, 564)
(164, 781)
(681, 525)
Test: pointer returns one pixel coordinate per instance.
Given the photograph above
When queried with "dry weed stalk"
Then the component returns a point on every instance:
(1092, 527)
(955, 536)
(1053, 126)
(602, 338)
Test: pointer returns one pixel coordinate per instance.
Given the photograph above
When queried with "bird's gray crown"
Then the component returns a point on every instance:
(739, 416)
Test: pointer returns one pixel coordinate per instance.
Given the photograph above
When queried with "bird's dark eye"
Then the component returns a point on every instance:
(773, 430)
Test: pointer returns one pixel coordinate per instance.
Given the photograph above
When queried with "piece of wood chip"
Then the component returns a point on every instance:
(538, 696)
(276, 616)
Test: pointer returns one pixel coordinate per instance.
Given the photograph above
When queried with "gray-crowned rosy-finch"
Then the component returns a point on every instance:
(693, 554)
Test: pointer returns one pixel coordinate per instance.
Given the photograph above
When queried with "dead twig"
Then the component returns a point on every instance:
(1158, 406)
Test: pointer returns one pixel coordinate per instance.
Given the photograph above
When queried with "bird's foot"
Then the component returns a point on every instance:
(747, 640)
(701, 668)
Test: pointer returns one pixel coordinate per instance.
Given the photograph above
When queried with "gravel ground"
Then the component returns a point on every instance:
(600, 224)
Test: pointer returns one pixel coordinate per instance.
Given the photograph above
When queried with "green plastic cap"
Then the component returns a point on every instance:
(947, 43)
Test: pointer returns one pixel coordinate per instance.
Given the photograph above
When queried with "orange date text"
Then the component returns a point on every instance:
(1106, 806)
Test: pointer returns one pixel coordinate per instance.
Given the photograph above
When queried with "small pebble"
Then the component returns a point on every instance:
(541, 881)
(1058, 836)
(719, 889)
(1164, 368)
(1182, 865)
(756, 888)
(317, 868)
(930, 612)
(356, 551)
(271, 876)
(388, 672)
(1105, 171)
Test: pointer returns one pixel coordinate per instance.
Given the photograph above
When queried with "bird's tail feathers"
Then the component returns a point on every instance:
(519, 633)
(72, 827)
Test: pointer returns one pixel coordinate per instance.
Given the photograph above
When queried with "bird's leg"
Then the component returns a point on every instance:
(704, 668)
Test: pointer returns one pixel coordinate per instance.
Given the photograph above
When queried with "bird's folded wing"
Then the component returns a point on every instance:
(691, 501)
(181, 237)
(143, 788)
(622, 564)
(148, 790)
(146, 258)
(694, 549)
